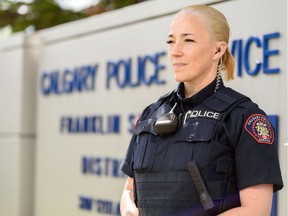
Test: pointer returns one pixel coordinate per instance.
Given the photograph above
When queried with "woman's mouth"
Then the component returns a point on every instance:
(178, 65)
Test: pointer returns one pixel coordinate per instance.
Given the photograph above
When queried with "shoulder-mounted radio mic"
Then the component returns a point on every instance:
(168, 123)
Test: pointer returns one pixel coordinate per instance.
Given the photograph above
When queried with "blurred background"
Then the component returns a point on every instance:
(33, 15)
(75, 75)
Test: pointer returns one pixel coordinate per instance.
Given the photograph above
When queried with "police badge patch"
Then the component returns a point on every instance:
(259, 127)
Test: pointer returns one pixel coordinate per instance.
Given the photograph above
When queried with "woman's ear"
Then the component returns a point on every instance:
(220, 49)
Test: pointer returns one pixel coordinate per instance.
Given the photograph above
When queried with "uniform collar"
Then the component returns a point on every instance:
(199, 97)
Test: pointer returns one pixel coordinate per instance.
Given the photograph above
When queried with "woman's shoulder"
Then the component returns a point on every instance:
(156, 104)
(245, 101)
(247, 109)
(240, 105)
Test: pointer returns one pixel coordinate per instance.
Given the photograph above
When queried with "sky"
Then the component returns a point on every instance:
(76, 4)
(70, 4)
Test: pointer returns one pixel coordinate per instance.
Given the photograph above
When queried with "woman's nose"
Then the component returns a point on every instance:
(176, 50)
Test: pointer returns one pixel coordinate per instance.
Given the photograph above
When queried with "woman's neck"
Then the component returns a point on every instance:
(192, 88)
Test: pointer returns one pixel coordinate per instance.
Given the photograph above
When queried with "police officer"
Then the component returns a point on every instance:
(202, 149)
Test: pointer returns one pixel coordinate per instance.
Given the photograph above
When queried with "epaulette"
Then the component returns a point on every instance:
(224, 98)
(154, 106)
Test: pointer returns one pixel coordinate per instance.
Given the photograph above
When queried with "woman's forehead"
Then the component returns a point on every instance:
(188, 23)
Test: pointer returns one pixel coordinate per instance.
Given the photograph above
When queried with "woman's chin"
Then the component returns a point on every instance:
(179, 78)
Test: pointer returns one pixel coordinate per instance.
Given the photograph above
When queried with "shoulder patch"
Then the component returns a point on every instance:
(259, 127)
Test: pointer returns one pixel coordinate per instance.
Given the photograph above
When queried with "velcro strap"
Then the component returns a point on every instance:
(163, 177)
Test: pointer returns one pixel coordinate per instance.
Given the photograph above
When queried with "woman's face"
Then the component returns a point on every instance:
(192, 50)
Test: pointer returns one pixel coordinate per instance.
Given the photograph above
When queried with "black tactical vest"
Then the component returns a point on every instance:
(163, 186)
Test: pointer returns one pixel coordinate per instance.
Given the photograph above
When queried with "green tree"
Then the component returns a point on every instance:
(40, 14)
(43, 14)
(115, 4)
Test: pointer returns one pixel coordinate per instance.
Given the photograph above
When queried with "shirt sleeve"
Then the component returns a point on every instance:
(256, 152)
(127, 163)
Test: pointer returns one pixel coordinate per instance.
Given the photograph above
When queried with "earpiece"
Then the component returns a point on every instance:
(218, 50)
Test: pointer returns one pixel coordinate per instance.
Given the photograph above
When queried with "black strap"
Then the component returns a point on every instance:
(135, 193)
(224, 99)
(204, 195)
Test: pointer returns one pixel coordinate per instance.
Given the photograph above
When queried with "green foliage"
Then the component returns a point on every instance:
(115, 4)
(43, 14)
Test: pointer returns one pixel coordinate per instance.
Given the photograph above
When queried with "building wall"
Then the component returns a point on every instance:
(17, 128)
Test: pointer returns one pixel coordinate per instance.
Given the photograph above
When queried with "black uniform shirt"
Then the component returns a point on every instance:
(191, 102)
(247, 130)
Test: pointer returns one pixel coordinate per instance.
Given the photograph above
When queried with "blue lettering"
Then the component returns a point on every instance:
(159, 67)
(45, 83)
(142, 63)
(111, 72)
(98, 124)
(274, 120)
(237, 44)
(102, 206)
(242, 57)
(114, 71)
(268, 53)
(85, 203)
(247, 56)
(68, 78)
(122, 74)
(96, 165)
(90, 124)
(91, 166)
(85, 165)
(55, 87)
(115, 169)
(114, 124)
(123, 66)
(69, 81)
(101, 166)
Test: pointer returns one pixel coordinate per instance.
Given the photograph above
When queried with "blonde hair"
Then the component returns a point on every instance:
(219, 28)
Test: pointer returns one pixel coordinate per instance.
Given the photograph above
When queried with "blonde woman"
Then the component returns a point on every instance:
(203, 149)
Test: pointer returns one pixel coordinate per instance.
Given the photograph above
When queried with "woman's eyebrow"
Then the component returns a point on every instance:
(187, 34)
(183, 35)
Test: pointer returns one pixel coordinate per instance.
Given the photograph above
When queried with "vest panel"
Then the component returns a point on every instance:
(163, 185)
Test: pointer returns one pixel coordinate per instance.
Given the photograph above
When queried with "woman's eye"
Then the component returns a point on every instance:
(189, 40)
(169, 42)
